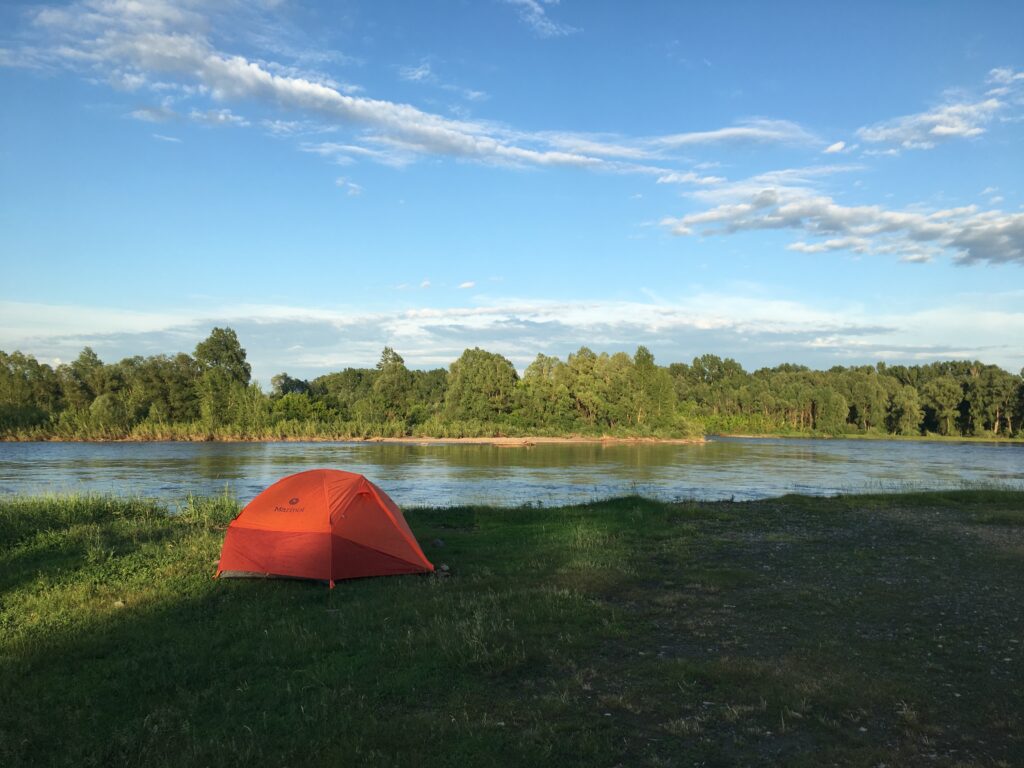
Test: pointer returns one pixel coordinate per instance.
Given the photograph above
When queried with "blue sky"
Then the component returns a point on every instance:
(798, 182)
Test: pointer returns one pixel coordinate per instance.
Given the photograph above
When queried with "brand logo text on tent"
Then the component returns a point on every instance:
(291, 506)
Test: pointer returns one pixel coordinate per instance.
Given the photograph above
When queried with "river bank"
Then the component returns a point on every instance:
(502, 441)
(802, 631)
(870, 437)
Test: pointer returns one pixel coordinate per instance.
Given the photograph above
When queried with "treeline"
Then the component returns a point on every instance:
(209, 395)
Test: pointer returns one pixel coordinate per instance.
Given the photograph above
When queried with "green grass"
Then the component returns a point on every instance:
(860, 630)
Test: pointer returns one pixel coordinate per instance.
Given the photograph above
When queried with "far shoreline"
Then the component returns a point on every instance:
(500, 441)
(525, 441)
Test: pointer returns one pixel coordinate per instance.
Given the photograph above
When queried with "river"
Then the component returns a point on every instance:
(548, 474)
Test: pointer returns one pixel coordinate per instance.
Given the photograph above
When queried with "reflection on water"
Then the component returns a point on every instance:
(437, 474)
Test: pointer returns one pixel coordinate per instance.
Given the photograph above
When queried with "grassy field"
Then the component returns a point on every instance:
(867, 630)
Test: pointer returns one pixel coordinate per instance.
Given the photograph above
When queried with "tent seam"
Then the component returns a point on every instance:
(330, 528)
(408, 540)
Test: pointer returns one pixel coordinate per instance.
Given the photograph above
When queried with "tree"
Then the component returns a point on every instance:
(942, 398)
(215, 396)
(480, 386)
(544, 397)
(82, 380)
(905, 412)
(392, 388)
(29, 391)
(614, 388)
(283, 384)
(829, 411)
(652, 392)
(582, 383)
(867, 397)
(108, 413)
(990, 393)
(222, 351)
(341, 391)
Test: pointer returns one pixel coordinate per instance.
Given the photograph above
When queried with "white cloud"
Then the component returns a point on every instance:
(748, 326)
(688, 177)
(926, 129)
(1005, 76)
(416, 74)
(467, 284)
(218, 117)
(593, 145)
(351, 188)
(758, 130)
(152, 38)
(168, 48)
(425, 284)
(424, 73)
(970, 235)
(831, 149)
(532, 12)
(153, 114)
(170, 139)
(961, 117)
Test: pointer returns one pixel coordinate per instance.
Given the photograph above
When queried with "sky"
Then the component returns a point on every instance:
(815, 183)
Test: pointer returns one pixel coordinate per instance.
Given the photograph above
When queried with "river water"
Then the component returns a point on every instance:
(440, 475)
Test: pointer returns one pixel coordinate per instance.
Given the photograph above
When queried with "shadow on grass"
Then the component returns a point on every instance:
(178, 669)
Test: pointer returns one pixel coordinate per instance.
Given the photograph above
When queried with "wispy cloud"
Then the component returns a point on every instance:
(758, 130)
(218, 117)
(779, 202)
(534, 15)
(958, 118)
(926, 129)
(170, 139)
(689, 177)
(351, 188)
(424, 73)
(418, 74)
(467, 284)
(167, 48)
(153, 114)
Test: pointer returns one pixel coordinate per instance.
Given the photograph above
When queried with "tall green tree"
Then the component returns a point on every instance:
(941, 397)
(392, 389)
(222, 351)
(81, 380)
(829, 411)
(905, 413)
(545, 400)
(583, 386)
(652, 392)
(481, 385)
(224, 376)
(30, 393)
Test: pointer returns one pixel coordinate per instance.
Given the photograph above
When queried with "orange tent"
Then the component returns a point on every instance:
(321, 524)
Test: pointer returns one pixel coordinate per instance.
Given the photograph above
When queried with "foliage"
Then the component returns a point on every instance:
(209, 395)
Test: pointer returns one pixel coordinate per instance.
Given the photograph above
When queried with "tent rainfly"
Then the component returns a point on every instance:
(322, 524)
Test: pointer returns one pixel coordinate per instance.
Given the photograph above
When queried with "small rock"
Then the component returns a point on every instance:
(119, 604)
(443, 567)
(438, 542)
